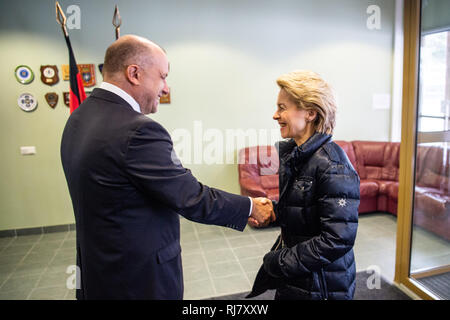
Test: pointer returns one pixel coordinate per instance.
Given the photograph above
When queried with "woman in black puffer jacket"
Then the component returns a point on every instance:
(319, 198)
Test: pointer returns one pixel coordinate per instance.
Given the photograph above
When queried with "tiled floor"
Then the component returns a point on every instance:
(216, 260)
(428, 251)
(34, 267)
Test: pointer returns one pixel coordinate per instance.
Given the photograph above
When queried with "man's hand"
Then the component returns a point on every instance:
(262, 213)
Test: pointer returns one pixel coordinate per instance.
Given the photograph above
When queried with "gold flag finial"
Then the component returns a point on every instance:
(61, 18)
(117, 21)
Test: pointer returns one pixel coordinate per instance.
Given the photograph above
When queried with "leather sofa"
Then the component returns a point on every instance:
(258, 172)
(377, 164)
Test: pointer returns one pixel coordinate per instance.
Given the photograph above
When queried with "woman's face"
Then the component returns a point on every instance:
(294, 122)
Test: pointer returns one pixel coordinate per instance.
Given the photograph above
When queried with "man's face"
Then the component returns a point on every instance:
(154, 83)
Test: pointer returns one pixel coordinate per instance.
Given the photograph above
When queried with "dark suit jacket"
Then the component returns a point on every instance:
(127, 194)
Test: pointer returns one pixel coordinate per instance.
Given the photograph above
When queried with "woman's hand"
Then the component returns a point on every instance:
(253, 222)
(262, 212)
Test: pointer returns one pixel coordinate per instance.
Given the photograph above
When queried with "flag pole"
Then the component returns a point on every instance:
(117, 21)
(76, 89)
(61, 19)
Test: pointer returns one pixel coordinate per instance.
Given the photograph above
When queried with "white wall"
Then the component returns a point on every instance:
(224, 55)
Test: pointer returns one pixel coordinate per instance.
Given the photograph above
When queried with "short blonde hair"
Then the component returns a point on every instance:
(311, 92)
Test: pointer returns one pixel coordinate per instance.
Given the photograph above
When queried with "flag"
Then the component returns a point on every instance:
(77, 94)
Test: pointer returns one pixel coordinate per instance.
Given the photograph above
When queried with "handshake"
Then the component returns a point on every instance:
(262, 212)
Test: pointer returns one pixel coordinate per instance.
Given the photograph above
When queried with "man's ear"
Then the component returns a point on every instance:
(132, 74)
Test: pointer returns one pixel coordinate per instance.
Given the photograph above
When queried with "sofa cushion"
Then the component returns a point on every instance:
(273, 194)
(377, 160)
(392, 191)
(251, 187)
(258, 171)
(247, 168)
(432, 167)
(269, 182)
(383, 186)
(429, 178)
(368, 188)
(369, 158)
(439, 226)
(390, 170)
(267, 160)
(433, 204)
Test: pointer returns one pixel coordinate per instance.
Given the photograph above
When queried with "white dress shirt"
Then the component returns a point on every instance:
(133, 103)
(121, 93)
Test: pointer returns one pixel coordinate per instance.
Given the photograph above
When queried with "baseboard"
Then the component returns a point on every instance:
(407, 291)
(37, 230)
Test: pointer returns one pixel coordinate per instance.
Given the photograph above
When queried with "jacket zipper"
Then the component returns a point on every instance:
(323, 285)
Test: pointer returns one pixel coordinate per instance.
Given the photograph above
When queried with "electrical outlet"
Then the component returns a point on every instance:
(28, 150)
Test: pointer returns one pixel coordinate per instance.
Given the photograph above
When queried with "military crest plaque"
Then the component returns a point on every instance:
(165, 98)
(65, 70)
(27, 102)
(52, 99)
(66, 96)
(24, 74)
(49, 74)
(87, 72)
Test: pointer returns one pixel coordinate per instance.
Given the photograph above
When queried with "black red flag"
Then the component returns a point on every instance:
(77, 94)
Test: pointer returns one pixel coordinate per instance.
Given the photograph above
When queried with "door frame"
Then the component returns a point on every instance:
(412, 34)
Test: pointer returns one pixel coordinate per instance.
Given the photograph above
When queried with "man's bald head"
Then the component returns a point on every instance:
(127, 50)
(140, 68)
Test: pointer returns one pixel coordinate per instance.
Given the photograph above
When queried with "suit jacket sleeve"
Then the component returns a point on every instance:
(154, 169)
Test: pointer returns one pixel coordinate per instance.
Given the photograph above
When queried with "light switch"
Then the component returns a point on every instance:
(28, 150)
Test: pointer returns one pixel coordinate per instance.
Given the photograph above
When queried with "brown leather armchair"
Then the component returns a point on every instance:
(377, 165)
(258, 172)
(432, 192)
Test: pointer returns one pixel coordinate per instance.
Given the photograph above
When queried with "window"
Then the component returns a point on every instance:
(434, 104)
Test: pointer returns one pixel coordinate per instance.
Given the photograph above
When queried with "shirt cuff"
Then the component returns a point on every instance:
(251, 207)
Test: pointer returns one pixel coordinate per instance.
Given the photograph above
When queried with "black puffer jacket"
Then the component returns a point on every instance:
(318, 215)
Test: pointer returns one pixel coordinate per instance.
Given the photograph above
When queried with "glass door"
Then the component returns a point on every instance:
(424, 243)
(430, 247)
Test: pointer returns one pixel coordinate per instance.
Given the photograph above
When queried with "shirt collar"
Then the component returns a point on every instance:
(121, 93)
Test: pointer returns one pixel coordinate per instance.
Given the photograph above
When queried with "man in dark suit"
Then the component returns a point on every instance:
(128, 188)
